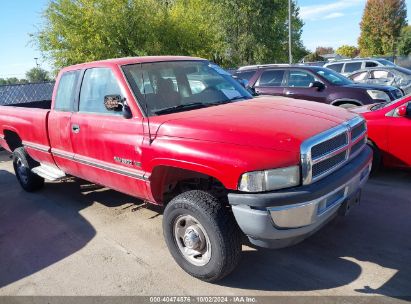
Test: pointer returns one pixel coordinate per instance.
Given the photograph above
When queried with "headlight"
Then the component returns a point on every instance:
(268, 180)
(376, 94)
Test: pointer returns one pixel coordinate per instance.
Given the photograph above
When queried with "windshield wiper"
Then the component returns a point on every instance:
(226, 101)
(182, 107)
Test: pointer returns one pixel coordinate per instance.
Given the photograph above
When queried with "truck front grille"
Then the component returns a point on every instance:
(325, 153)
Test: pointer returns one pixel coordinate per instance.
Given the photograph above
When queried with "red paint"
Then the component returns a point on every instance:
(389, 129)
(222, 141)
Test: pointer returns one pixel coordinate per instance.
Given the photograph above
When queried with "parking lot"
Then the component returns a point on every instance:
(73, 238)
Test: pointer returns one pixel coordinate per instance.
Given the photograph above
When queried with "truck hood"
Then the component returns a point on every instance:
(264, 122)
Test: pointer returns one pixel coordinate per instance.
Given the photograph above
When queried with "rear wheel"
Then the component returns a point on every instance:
(347, 105)
(23, 164)
(202, 235)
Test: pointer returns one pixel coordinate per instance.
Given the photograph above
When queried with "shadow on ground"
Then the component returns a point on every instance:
(377, 231)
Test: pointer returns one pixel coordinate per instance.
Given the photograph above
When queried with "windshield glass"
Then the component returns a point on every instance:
(385, 62)
(167, 87)
(333, 77)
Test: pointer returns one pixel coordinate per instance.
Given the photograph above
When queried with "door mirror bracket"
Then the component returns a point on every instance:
(317, 84)
(116, 103)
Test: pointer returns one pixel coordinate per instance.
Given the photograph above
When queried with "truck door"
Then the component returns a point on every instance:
(59, 126)
(107, 145)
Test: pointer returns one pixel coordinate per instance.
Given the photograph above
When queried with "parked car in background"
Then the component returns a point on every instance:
(393, 76)
(389, 132)
(348, 66)
(315, 84)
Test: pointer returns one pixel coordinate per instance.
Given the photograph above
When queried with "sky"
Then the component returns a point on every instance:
(326, 23)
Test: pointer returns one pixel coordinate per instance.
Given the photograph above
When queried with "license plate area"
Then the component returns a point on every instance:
(349, 203)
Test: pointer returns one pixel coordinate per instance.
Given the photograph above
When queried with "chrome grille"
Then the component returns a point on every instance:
(329, 145)
(329, 163)
(358, 130)
(325, 153)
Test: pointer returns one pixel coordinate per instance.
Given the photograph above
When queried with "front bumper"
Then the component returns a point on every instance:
(282, 218)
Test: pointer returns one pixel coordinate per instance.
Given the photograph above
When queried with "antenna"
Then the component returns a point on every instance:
(145, 104)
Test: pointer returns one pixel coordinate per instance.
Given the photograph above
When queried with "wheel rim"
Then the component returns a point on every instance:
(21, 170)
(192, 240)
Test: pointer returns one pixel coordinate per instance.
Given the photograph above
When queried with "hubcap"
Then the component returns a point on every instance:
(192, 240)
(21, 170)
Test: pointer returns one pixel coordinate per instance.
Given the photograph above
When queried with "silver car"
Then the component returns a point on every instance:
(348, 66)
(393, 76)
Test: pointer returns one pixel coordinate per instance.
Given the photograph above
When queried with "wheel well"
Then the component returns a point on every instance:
(12, 139)
(341, 102)
(167, 182)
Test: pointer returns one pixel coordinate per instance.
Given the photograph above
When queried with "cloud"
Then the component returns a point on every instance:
(329, 10)
(333, 16)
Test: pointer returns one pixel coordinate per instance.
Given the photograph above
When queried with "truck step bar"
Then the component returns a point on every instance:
(48, 172)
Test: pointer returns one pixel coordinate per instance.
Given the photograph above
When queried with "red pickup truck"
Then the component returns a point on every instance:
(181, 132)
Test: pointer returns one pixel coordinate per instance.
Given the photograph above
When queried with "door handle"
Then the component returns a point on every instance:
(75, 128)
(288, 93)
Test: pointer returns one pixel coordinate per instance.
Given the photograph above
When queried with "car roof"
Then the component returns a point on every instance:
(354, 60)
(287, 66)
(130, 60)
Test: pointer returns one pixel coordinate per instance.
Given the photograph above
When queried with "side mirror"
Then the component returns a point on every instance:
(116, 103)
(317, 84)
(404, 111)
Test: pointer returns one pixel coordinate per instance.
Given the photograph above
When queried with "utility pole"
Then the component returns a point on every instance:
(290, 56)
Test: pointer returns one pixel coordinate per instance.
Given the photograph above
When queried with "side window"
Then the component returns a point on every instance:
(246, 75)
(97, 83)
(66, 91)
(359, 76)
(271, 78)
(300, 79)
(336, 67)
(378, 74)
(370, 64)
(352, 67)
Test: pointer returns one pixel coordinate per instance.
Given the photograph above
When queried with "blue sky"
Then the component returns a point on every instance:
(327, 23)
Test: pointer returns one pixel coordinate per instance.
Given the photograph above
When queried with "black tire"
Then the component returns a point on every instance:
(376, 160)
(220, 226)
(23, 164)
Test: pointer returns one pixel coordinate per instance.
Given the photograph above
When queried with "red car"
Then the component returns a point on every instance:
(182, 133)
(389, 132)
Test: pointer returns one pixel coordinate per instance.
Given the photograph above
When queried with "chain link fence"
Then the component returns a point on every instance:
(26, 93)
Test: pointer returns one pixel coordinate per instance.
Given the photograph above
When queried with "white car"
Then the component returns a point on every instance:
(349, 66)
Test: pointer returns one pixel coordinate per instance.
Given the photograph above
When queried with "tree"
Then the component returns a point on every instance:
(312, 57)
(349, 51)
(404, 43)
(322, 50)
(381, 25)
(37, 75)
(229, 32)
(12, 80)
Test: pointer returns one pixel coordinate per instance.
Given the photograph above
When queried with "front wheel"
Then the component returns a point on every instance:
(23, 163)
(202, 235)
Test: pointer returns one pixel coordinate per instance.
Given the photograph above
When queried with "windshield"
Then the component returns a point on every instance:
(333, 77)
(167, 87)
(385, 62)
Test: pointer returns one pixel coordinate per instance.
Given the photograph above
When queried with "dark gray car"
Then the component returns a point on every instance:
(393, 76)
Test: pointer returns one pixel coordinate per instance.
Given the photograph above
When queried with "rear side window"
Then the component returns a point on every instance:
(359, 76)
(352, 67)
(98, 83)
(66, 91)
(336, 67)
(271, 78)
(246, 75)
(370, 64)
